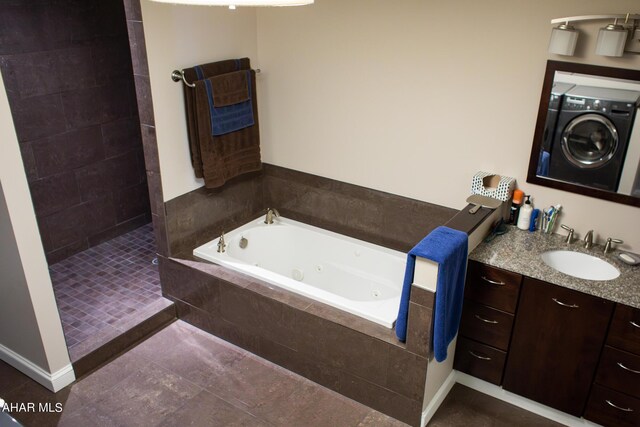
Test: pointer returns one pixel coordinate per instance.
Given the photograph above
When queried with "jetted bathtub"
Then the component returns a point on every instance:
(355, 276)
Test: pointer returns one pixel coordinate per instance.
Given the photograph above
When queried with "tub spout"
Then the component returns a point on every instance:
(271, 213)
(221, 243)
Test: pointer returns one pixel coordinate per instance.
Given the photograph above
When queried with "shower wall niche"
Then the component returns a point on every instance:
(67, 70)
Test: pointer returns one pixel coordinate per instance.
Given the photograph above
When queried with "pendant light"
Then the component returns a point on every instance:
(563, 40)
(241, 3)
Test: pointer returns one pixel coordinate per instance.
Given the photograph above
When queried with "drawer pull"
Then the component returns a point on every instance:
(477, 356)
(617, 407)
(485, 320)
(634, 324)
(565, 304)
(493, 282)
(628, 369)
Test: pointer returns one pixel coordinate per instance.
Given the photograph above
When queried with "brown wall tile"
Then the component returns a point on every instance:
(199, 216)
(54, 193)
(121, 136)
(69, 76)
(381, 399)
(68, 151)
(145, 103)
(422, 297)
(419, 329)
(406, 373)
(196, 288)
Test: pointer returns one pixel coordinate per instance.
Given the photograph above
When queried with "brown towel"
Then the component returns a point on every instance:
(230, 89)
(226, 156)
(209, 70)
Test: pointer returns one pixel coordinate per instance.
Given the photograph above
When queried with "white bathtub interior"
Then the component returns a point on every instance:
(356, 276)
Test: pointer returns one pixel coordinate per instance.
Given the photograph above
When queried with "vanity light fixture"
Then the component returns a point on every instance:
(563, 40)
(232, 4)
(613, 40)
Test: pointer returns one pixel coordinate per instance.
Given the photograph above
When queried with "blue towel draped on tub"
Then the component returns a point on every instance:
(448, 248)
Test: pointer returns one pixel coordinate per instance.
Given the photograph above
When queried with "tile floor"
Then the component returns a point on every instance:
(100, 290)
(184, 377)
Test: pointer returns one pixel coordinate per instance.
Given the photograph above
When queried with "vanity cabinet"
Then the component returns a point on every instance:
(615, 397)
(557, 339)
(491, 298)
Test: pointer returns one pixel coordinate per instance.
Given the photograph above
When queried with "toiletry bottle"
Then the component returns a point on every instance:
(524, 218)
(515, 206)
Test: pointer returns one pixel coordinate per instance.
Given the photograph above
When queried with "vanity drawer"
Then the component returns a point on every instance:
(492, 286)
(479, 360)
(486, 325)
(620, 371)
(625, 329)
(611, 408)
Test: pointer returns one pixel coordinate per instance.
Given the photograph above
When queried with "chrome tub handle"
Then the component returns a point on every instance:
(565, 304)
(485, 320)
(617, 407)
(477, 356)
(628, 369)
(492, 281)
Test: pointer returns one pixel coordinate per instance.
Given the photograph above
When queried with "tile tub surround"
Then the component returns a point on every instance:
(71, 91)
(374, 216)
(519, 251)
(343, 352)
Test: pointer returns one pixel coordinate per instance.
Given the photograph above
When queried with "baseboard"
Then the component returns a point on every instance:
(519, 401)
(53, 381)
(438, 398)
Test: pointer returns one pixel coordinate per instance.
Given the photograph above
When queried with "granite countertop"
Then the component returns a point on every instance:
(519, 251)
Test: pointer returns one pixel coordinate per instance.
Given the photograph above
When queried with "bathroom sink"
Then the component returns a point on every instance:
(582, 266)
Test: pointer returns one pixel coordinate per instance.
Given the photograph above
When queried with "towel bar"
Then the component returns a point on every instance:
(178, 75)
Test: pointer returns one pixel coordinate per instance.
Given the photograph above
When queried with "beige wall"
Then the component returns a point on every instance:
(29, 320)
(413, 97)
(179, 37)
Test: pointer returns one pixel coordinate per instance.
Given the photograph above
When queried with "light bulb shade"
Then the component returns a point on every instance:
(239, 2)
(563, 40)
(611, 40)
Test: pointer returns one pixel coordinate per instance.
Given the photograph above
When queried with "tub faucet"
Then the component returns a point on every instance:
(271, 213)
(221, 243)
(588, 239)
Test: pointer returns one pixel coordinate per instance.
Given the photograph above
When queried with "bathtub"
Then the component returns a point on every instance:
(355, 276)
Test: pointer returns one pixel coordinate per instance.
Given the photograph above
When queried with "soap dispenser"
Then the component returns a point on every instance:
(525, 214)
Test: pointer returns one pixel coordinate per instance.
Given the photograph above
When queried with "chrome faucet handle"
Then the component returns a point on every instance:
(270, 214)
(608, 247)
(588, 239)
(221, 243)
(570, 235)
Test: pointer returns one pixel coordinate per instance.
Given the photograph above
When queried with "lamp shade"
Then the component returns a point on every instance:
(611, 40)
(563, 40)
(239, 2)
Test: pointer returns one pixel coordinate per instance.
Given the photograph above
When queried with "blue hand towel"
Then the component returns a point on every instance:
(229, 118)
(448, 248)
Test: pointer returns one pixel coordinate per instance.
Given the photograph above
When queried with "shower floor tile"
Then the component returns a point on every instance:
(101, 290)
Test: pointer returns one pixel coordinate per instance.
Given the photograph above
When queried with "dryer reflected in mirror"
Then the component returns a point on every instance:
(588, 134)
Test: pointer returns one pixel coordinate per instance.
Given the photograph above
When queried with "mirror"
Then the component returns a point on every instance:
(587, 137)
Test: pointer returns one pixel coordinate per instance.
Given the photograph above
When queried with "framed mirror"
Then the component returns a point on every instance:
(587, 136)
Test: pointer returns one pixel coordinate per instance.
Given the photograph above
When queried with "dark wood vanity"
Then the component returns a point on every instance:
(565, 349)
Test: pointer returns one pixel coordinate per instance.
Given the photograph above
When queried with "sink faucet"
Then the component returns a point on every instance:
(588, 239)
(221, 243)
(271, 213)
(608, 247)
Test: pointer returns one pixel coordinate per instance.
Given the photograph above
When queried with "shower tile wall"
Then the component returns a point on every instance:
(68, 74)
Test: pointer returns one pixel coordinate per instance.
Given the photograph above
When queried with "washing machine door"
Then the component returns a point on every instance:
(589, 141)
